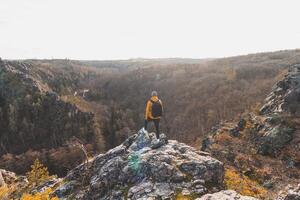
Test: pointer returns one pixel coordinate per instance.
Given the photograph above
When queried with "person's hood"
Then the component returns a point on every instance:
(154, 98)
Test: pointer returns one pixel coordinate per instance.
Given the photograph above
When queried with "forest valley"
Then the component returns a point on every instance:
(63, 112)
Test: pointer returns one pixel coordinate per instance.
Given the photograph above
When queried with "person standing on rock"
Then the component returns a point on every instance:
(154, 111)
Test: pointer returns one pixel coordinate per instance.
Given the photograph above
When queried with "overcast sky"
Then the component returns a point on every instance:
(121, 29)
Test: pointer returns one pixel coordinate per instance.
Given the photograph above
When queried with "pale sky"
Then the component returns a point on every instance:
(122, 29)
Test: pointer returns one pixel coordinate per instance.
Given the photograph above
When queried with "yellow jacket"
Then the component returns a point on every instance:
(148, 113)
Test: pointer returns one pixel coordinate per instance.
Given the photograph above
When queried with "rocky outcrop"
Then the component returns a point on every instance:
(285, 96)
(225, 195)
(274, 138)
(292, 194)
(145, 168)
(264, 146)
(7, 177)
(283, 102)
(272, 129)
(10, 179)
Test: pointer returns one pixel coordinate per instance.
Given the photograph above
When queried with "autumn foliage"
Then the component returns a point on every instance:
(4, 192)
(242, 184)
(38, 174)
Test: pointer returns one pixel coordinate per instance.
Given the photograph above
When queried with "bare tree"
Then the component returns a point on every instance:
(77, 143)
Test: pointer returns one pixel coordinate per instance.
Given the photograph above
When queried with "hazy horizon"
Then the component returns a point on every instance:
(140, 29)
(147, 58)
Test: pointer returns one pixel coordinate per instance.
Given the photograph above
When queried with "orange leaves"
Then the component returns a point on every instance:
(242, 184)
(4, 192)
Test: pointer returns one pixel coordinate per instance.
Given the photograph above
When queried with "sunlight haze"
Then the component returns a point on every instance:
(119, 29)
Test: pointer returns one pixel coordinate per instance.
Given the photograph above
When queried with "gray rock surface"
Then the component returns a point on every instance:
(292, 194)
(225, 195)
(44, 186)
(144, 168)
(285, 96)
(274, 138)
(7, 177)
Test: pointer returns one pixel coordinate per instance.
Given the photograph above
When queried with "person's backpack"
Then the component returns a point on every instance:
(156, 108)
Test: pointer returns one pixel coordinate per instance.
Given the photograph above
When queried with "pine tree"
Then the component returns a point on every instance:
(38, 174)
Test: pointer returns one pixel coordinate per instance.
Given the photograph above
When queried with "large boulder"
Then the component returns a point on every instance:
(145, 168)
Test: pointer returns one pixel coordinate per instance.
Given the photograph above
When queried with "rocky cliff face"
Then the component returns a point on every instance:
(264, 146)
(285, 96)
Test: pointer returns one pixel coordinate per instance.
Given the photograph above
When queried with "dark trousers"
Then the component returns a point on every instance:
(156, 124)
